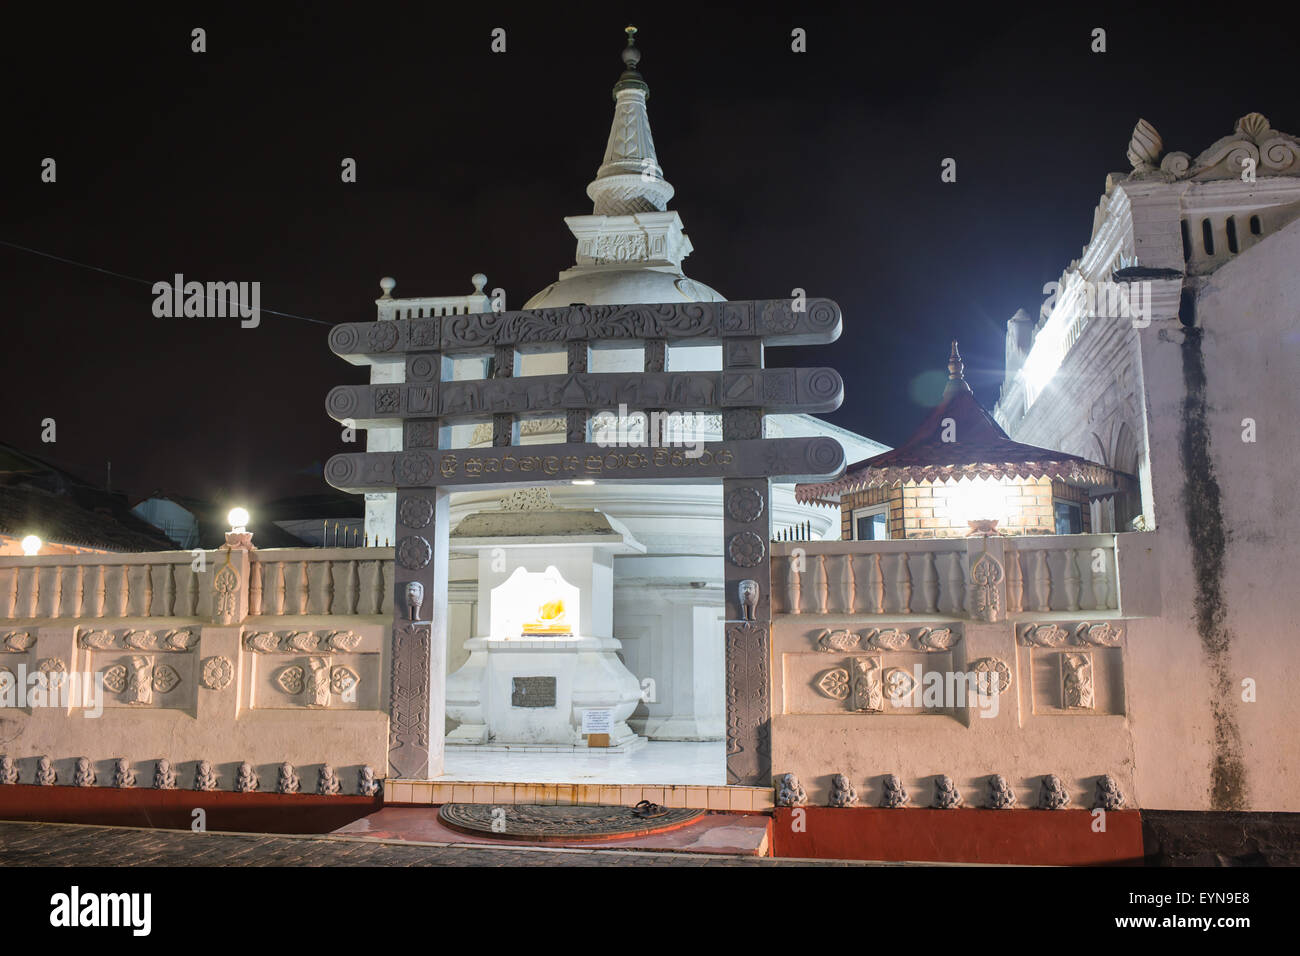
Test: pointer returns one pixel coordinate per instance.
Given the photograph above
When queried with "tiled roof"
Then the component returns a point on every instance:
(978, 447)
(77, 516)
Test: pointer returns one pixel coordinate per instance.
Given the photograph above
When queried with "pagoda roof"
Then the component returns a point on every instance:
(977, 448)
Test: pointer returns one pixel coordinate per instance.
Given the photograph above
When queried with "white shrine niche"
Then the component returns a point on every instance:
(545, 654)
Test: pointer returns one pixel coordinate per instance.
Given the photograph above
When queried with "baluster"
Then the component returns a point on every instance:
(820, 587)
(13, 594)
(1015, 583)
(904, 584)
(169, 592)
(876, 585)
(34, 609)
(956, 585)
(1110, 565)
(58, 591)
(254, 588)
(304, 587)
(192, 594)
(277, 588)
(101, 590)
(930, 584)
(380, 589)
(1072, 580)
(1042, 582)
(1087, 592)
(354, 587)
(793, 586)
(124, 595)
(847, 584)
(329, 588)
(79, 591)
(148, 590)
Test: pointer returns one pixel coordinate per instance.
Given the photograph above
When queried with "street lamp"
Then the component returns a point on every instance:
(31, 545)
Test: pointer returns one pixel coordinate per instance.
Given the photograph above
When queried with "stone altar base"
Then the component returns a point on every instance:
(531, 694)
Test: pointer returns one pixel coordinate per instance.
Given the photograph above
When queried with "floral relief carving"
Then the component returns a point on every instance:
(217, 673)
(834, 683)
(292, 679)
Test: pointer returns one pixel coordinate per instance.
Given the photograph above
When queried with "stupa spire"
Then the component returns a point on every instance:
(630, 179)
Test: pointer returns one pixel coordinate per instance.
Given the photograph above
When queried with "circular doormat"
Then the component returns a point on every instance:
(558, 823)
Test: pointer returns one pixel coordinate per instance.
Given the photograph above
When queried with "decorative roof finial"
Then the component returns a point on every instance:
(956, 368)
(631, 55)
(631, 79)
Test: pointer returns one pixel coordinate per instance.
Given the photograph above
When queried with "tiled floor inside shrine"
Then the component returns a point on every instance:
(658, 762)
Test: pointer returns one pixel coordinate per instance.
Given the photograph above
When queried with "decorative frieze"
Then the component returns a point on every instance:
(84, 775)
(205, 777)
(1052, 795)
(924, 640)
(302, 642)
(946, 796)
(894, 794)
(1001, 796)
(367, 785)
(790, 792)
(327, 783)
(123, 775)
(164, 777)
(17, 642)
(175, 640)
(842, 792)
(286, 779)
(45, 773)
(1108, 796)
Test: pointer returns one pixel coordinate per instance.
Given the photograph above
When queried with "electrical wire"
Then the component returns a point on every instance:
(120, 275)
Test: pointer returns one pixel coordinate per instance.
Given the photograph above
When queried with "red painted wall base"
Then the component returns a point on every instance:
(173, 809)
(1025, 837)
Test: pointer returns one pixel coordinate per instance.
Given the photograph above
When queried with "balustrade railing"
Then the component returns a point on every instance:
(279, 581)
(932, 576)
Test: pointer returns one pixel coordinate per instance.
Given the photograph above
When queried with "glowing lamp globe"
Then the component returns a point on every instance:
(31, 544)
(238, 519)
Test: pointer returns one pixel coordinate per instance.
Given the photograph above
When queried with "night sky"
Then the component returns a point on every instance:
(819, 170)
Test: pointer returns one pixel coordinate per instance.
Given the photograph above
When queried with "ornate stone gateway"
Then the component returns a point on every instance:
(425, 472)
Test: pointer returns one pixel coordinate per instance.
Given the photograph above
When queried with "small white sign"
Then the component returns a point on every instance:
(597, 721)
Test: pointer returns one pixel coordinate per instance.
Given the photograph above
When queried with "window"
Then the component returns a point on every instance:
(1069, 517)
(871, 524)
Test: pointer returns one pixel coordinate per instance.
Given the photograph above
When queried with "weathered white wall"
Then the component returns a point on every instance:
(1198, 744)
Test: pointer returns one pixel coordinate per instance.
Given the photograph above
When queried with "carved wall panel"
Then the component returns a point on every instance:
(316, 669)
(1075, 669)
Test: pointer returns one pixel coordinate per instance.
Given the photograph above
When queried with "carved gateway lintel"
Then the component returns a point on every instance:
(774, 320)
(781, 459)
(774, 390)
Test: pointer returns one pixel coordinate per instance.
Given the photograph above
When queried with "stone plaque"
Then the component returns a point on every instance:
(533, 692)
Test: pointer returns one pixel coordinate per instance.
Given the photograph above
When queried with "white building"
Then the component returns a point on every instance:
(1196, 394)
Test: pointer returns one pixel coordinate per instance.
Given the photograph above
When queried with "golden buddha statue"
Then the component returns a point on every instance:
(550, 620)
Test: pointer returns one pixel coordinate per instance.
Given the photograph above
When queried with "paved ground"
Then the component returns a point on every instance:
(59, 844)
